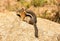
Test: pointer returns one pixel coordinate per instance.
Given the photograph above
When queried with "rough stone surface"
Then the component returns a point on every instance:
(12, 29)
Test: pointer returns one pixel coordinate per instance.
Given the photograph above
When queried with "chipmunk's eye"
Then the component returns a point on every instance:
(18, 15)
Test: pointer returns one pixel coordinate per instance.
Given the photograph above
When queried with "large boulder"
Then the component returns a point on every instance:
(13, 29)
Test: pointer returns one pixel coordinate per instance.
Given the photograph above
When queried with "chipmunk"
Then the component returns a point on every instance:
(33, 20)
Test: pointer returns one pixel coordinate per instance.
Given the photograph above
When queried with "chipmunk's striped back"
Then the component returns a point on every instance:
(32, 15)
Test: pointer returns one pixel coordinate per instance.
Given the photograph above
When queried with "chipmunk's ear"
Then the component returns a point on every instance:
(22, 9)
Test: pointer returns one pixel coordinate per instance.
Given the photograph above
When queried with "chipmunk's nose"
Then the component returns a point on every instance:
(18, 15)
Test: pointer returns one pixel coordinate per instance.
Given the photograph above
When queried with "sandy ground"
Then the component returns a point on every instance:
(12, 29)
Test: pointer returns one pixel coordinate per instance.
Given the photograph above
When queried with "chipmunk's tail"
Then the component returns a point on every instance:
(36, 31)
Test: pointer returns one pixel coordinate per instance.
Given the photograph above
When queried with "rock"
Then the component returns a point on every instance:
(58, 37)
(13, 29)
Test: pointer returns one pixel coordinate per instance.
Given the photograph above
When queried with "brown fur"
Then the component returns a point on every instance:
(33, 20)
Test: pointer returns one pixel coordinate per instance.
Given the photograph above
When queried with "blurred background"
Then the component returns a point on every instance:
(47, 9)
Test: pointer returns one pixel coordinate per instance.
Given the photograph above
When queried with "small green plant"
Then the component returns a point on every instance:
(25, 3)
(38, 2)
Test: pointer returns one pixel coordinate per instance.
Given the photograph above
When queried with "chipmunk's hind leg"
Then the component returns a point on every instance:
(31, 22)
